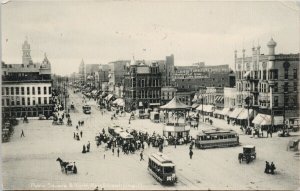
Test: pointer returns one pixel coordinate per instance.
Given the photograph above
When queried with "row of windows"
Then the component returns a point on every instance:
(21, 90)
(145, 83)
(264, 87)
(272, 74)
(23, 101)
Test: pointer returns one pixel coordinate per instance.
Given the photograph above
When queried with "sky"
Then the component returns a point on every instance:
(102, 31)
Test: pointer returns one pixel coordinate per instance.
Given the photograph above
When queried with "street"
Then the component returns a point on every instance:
(30, 162)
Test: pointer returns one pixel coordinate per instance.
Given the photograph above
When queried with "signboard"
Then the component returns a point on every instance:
(278, 120)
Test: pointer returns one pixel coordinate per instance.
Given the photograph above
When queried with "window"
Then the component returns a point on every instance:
(7, 91)
(28, 101)
(18, 101)
(17, 90)
(2, 91)
(33, 90)
(12, 92)
(143, 83)
(49, 91)
(286, 100)
(286, 86)
(45, 100)
(276, 87)
(286, 74)
(12, 102)
(50, 100)
(295, 73)
(39, 90)
(264, 75)
(28, 90)
(275, 101)
(39, 100)
(23, 101)
(295, 86)
(33, 101)
(275, 74)
(22, 90)
(7, 102)
(45, 90)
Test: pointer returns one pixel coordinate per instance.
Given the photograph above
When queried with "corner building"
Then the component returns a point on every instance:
(27, 87)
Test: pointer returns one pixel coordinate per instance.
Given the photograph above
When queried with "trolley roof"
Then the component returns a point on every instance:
(161, 159)
(216, 131)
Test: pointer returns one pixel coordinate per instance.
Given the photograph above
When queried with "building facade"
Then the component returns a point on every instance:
(142, 86)
(270, 81)
(27, 87)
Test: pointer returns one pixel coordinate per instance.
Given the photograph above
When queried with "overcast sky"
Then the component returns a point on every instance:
(105, 31)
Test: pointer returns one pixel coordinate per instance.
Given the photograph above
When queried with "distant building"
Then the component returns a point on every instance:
(270, 81)
(206, 79)
(185, 96)
(117, 70)
(142, 86)
(27, 87)
(167, 94)
(81, 72)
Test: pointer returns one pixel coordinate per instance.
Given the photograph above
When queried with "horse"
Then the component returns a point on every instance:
(62, 164)
(67, 166)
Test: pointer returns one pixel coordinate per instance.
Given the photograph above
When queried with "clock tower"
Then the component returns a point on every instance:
(26, 58)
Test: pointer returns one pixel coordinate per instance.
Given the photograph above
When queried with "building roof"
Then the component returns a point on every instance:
(174, 104)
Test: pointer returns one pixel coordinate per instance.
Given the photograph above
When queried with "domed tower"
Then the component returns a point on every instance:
(26, 58)
(271, 45)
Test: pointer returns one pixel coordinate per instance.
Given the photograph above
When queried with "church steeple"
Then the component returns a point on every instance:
(26, 58)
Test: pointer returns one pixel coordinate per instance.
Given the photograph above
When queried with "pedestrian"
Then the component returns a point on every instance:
(79, 123)
(81, 134)
(141, 155)
(77, 137)
(76, 127)
(22, 134)
(272, 168)
(191, 153)
(267, 168)
(88, 147)
(74, 135)
(83, 149)
(113, 150)
(118, 151)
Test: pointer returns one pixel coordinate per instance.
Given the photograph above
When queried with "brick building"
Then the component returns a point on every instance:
(142, 86)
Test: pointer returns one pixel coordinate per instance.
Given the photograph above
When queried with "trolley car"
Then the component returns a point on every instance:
(217, 138)
(162, 168)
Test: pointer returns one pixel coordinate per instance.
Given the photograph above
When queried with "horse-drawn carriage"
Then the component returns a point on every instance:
(248, 154)
(67, 167)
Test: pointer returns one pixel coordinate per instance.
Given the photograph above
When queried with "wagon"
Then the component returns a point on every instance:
(248, 154)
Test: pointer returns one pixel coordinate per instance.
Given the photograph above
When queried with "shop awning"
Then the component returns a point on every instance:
(244, 114)
(209, 108)
(235, 112)
(225, 111)
(262, 119)
(217, 111)
(195, 105)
